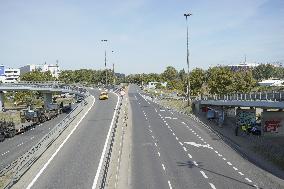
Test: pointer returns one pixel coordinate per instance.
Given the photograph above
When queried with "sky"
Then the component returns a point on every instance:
(144, 35)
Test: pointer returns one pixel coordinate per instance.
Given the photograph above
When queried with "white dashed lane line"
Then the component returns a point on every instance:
(212, 185)
(203, 174)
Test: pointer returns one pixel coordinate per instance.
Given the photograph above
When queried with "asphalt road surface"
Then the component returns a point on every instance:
(75, 165)
(12, 148)
(170, 150)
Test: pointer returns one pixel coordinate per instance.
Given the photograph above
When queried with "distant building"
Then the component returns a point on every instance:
(272, 82)
(54, 69)
(244, 66)
(119, 75)
(9, 75)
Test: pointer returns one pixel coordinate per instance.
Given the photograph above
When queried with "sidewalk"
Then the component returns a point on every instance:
(266, 152)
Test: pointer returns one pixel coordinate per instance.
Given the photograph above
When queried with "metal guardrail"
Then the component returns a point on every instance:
(43, 85)
(24, 162)
(258, 96)
(110, 148)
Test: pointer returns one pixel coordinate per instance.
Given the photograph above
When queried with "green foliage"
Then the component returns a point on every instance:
(170, 73)
(37, 76)
(244, 81)
(264, 71)
(220, 80)
(197, 78)
(87, 76)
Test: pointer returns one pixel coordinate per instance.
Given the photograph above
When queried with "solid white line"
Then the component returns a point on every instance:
(203, 174)
(105, 147)
(212, 186)
(170, 184)
(58, 149)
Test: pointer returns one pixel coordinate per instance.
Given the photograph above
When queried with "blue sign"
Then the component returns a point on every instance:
(2, 70)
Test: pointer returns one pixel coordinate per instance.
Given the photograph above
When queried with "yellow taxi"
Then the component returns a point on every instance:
(103, 96)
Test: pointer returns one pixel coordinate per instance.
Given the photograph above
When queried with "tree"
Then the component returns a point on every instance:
(244, 81)
(170, 73)
(38, 76)
(263, 71)
(220, 80)
(197, 78)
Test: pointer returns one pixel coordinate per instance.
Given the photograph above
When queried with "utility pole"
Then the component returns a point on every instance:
(187, 60)
(105, 40)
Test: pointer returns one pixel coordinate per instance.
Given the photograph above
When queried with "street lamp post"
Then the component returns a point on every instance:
(187, 60)
(105, 40)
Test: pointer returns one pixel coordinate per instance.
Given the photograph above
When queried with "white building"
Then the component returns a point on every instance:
(54, 69)
(243, 66)
(9, 75)
(272, 82)
(152, 85)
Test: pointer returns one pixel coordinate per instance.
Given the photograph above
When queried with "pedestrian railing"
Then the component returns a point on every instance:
(256, 96)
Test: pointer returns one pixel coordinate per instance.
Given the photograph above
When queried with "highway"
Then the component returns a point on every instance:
(170, 150)
(75, 165)
(12, 148)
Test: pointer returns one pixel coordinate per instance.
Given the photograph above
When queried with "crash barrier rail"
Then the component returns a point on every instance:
(110, 147)
(24, 162)
(257, 96)
(43, 85)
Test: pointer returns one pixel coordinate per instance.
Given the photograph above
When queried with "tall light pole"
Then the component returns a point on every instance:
(187, 60)
(113, 73)
(105, 40)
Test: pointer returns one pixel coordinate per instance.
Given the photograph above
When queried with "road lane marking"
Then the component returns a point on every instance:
(174, 134)
(229, 163)
(183, 122)
(177, 138)
(155, 144)
(248, 179)
(170, 186)
(203, 174)
(224, 159)
(174, 118)
(159, 154)
(190, 156)
(235, 168)
(195, 163)
(58, 149)
(181, 143)
(184, 148)
(164, 167)
(241, 173)
(212, 185)
(105, 147)
(168, 118)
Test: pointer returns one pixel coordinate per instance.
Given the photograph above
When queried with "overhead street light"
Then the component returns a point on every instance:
(104, 41)
(187, 60)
